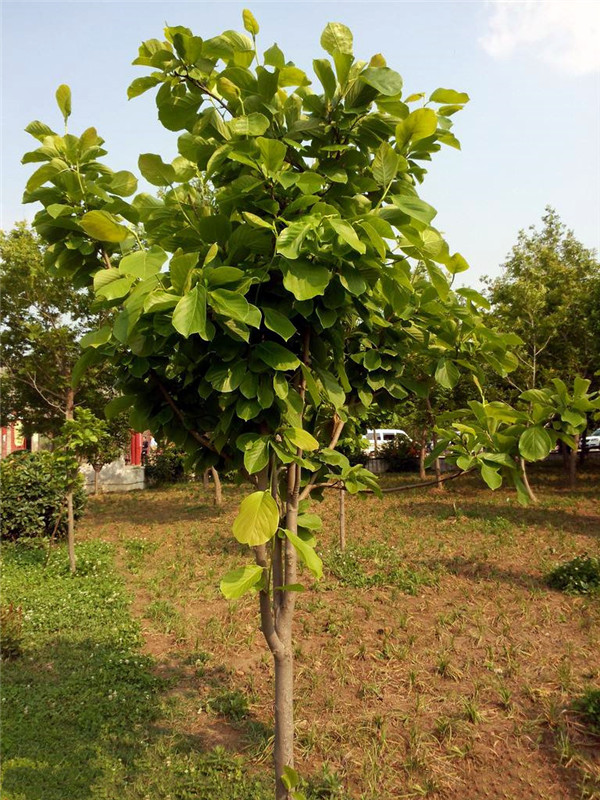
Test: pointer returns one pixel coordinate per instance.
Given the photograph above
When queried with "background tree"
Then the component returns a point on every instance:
(44, 319)
(545, 295)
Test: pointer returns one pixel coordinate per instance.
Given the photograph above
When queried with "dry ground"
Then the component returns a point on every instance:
(432, 660)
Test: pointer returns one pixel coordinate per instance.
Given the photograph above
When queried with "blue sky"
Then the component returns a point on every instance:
(530, 135)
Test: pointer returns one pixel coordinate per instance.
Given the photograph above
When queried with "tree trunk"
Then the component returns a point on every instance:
(438, 469)
(573, 464)
(284, 717)
(422, 457)
(71, 531)
(583, 451)
(218, 489)
(96, 480)
(206, 479)
(526, 483)
(342, 519)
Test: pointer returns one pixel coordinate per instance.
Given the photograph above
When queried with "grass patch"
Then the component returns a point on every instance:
(588, 705)
(581, 575)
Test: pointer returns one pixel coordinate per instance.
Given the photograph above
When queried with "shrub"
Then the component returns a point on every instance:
(33, 496)
(354, 449)
(165, 466)
(401, 454)
(579, 576)
(11, 625)
(588, 706)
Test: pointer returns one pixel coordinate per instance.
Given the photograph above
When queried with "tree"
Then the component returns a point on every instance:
(45, 318)
(251, 328)
(544, 295)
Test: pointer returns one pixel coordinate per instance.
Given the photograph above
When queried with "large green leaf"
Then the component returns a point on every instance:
(180, 269)
(143, 263)
(154, 169)
(290, 240)
(278, 323)
(190, 313)
(233, 305)
(123, 183)
(449, 96)
(141, 85)
(254, 124)
(273, 153)
(103, 226)
(307, 554)
(250, 23)
(337, 38)
(385, 164)
(491, 476)
(256, 455)
(239, 581)
(304, 279)
(447, 374)
(414, 207)
(385, 80)
(301, 438)
(324, 72)
(257, 519)
(276, 356)
(347, 233)
(418, 125)
(535, 443)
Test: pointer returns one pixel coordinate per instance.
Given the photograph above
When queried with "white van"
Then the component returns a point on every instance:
(382, 436)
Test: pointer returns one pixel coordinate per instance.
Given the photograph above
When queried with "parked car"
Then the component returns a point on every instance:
(592, 442)
(382, 436)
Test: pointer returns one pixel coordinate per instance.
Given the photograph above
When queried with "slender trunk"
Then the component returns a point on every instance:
(583, 451)
(573, 464)
(70, 405)
(526, 483)
(218, 490)
(342, 519)
(71, 530)
(422, 457)
(375, 448)
(206, 479)
(96, 480)
(438, 469)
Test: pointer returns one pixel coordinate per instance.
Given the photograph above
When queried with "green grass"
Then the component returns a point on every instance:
(81, 706)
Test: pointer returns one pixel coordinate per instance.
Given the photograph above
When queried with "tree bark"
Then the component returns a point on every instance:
(206, 479)
(342, 519)
(218, 489)
(96, 480)
(422, 457)
(71, 531)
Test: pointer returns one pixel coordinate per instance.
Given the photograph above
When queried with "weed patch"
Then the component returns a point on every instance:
(579, 576)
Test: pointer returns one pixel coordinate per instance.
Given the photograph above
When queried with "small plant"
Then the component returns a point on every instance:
(588, 705)
(232, 704)
(11, 625)
(165, 466)
(579, 576)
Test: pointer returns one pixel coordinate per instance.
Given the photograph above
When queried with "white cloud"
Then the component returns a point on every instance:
(562, 33)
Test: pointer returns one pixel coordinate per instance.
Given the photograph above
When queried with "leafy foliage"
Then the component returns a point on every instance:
(579, 576)
(165, 465)
(33, 495)
(401, 454)
(589, 706)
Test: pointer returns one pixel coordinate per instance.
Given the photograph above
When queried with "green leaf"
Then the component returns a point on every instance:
(43, 174)
(143, 263)
(290, 239)
(449, 96)
(190, 313)
(117, 406)
(63, 98)
(307, 554)
(250, 23)
(301, 438)
(256, 456)
(141, 85)
(418, 125)
(96, 338)
(386, 81)
(123, 183)
(273, 153)
(447, 374)
(103, 226)
(337, 37)
(276, 356)
(155, 171)
(304, 279)
(535, 443)
(415, 207)
(257, 520)
(274, 57)
(278, 323)
(347, 233)
(385, 164)
(254, 124)
(491, 476)
(456, 264)
(239, 581)
(324, 72)
(180, 269)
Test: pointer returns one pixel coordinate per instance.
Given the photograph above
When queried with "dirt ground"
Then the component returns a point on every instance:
(431, 661)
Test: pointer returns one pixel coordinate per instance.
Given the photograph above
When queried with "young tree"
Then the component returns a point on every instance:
(285, 306)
